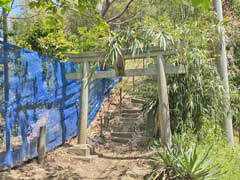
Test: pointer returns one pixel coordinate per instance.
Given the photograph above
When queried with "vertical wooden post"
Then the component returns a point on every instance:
(41, 144)
(82, 123)
(120, 96)
(133, 81)
(164, 116)
(101, 125)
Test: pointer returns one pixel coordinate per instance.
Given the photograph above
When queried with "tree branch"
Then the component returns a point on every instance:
(103, 6)
(11, 7)
(127, 20)
(121, 13)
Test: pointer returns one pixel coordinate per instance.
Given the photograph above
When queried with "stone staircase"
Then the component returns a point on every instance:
(131, 120)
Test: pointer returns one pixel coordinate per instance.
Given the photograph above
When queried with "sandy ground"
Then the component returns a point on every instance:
(116, 161)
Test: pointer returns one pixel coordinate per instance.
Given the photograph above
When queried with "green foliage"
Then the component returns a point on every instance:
(235, 4)
(233, 32)
(229, 157)
(184, 163)
(62, 5)
(92, 38)
(205, 4)
(136, 40)
(42, 36)
(211, 134)
(197, 95)
(4, 4)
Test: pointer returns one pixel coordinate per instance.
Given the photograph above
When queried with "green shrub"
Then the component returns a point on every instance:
(184, 163)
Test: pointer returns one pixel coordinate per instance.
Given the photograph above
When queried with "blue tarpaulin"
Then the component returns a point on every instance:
(34, 91)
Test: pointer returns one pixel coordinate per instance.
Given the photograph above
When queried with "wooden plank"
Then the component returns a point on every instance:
(150, 71)
(127, 55)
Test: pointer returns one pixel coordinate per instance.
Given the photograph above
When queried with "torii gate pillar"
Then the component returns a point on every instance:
(82, 123)
(82, 149)
(164, 116)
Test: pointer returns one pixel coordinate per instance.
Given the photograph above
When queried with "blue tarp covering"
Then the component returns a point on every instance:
(34, 91)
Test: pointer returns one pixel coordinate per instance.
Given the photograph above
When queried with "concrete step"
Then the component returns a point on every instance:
(122, 134)
(139, 101)
(131, 115)
(120, 140)
(132, 110)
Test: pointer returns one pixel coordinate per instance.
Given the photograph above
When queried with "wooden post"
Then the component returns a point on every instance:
(82, 123)
(101, 125)
(120, 96)
(41, 144)
(133, 81)
(164, 117)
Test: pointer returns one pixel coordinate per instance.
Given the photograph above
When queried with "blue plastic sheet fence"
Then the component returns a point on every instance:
(34, 91)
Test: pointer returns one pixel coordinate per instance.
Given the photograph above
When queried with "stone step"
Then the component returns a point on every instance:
(122, 134)
(125, 127)
(139, 101)
(131, 119)
(131, 115)
(120, 140)
(132, 105)
(144, 141)
(80, 150)
(132, 110)
(88, 158)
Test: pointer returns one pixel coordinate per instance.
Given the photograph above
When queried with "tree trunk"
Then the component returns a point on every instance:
(119, 67)
(223, 71)
(5, 25)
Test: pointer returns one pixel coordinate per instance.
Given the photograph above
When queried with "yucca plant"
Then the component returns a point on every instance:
(183, 164)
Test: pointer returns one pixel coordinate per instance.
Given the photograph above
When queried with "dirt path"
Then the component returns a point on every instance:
(116, 161)
(60, 165)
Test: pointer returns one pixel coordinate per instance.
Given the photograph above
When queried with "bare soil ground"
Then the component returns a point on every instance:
(116, 161)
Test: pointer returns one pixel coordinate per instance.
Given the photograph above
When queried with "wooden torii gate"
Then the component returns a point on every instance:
(160, 69)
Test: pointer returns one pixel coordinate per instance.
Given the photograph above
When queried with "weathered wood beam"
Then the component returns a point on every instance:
(150, 71)
(127, 55)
